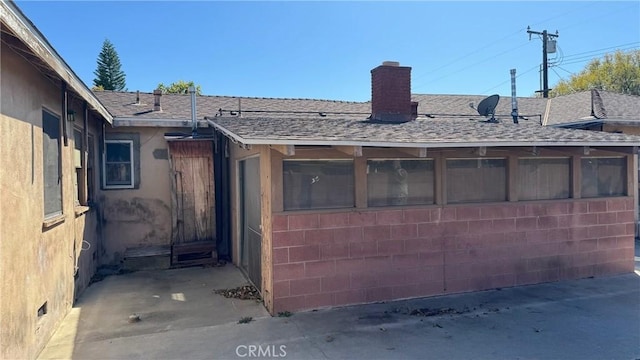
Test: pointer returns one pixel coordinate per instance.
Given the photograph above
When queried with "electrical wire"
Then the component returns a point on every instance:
(472, 65)
(484, 47)
(506, 81)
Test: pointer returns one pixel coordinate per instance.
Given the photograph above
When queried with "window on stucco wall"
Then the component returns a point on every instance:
(394, 182)
(544, 178)
(118, 164)
(318, 184)
(604, 176)
(121, 161)
(476, 180)
(51, 164)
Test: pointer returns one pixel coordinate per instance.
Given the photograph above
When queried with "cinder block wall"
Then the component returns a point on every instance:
(347, 257)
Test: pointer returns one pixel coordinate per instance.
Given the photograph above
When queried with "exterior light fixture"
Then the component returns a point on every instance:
(71, 115)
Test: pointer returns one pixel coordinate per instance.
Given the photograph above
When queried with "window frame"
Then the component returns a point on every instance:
(447, 177)
(60, 190)
(625, 185)
(433, 181)
(570, 176)
(341, 160)
(132, 165)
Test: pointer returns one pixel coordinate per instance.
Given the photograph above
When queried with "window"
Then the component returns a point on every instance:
(318, 184)
(604, 176)
(118, 164)
(77, 162)
(476, 180)
(544, 178)
(51, 164)
(400, 182)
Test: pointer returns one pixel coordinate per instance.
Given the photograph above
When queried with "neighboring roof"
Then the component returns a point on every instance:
(20, 34)
(564, 109)
(532, 109)
(592, 106)
(428, 133)
(124, 105)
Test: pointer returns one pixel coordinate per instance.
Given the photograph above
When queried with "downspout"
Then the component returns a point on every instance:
(65, 114)
(194, 121)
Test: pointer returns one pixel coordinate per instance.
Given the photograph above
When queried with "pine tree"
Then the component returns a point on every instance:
(108, 73)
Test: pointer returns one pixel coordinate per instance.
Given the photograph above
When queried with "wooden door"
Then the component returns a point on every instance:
(193, 205)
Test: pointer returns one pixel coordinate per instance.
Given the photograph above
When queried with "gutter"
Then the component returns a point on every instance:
(138, 122)
(24, 29)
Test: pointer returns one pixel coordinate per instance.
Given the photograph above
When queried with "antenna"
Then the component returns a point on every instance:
(487, 107)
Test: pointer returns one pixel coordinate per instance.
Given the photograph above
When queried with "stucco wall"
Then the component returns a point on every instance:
(134, 218)
(37, 263)
(348, 257)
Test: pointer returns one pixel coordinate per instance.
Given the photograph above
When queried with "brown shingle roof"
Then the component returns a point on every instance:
(418, 133)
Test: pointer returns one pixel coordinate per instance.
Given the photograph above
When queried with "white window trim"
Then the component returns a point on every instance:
(104, 165)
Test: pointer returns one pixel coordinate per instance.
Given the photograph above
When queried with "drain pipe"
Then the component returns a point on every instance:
(514, 99)
(194, 121)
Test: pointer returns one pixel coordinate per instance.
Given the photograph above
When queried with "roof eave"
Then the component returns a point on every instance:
(254, 141)
(154, 122)
(20, 25)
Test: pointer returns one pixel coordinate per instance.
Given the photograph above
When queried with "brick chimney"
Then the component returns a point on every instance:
(391, 93)
(156, 100)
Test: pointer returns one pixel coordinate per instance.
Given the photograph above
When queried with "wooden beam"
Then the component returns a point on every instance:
(360, 179)
(440, 172)
(266, 227)
(576, 177)
(617, 149)
(286, 150)
(355, 151)
(415, 152)
(512, 184)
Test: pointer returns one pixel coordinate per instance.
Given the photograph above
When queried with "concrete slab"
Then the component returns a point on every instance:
(584, 319)
(165, 300)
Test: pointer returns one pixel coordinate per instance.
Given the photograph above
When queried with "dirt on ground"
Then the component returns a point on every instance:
(245, 292)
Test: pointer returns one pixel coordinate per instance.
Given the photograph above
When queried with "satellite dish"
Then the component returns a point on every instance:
(487, 106)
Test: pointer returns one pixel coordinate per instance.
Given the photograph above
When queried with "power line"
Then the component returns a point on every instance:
(472, 65)
(594, 56)
(506, 81)
(602, 49)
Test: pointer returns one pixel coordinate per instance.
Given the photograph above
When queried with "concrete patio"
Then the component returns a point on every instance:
(583, 319)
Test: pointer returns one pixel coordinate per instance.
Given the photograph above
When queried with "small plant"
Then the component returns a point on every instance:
(245, 320)
(285, 314)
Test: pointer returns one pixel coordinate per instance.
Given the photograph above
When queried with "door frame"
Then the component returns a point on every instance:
(239, 224)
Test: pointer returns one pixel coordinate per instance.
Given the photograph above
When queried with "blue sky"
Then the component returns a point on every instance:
(326, 49)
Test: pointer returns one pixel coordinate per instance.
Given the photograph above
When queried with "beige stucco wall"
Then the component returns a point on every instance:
(135, 218)
(37, 263)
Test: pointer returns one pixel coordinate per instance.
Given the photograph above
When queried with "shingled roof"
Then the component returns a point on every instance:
(577, 107)
(422, 132)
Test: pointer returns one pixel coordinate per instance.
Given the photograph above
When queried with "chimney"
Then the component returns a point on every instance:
(138, 97)
(156, 100)
(391, 93)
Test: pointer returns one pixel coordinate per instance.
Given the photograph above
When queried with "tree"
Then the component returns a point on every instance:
(618, 72)
(179, 87)
(108, 74)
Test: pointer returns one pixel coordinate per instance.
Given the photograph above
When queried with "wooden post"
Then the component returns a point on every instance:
(512, 180)
(360, 180)
(266, 174)
(576, 176)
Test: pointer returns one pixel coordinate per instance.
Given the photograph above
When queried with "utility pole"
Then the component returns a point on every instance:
(545, 66)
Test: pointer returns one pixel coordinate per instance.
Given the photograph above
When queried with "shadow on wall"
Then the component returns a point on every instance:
(133, 223)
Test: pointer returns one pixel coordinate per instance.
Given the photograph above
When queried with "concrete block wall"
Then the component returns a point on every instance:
(349, 257)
